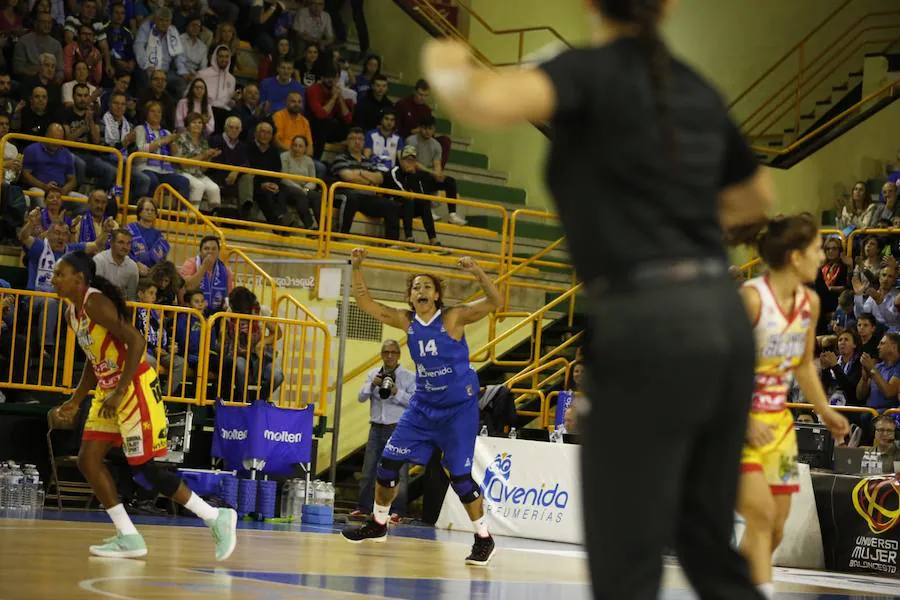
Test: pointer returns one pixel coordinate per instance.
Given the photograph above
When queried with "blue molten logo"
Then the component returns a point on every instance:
(499, 490)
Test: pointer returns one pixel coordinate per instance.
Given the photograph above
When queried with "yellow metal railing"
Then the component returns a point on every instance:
(36, 347)
(846, 409)
(437, 20)
(748, 267)
(270, 355)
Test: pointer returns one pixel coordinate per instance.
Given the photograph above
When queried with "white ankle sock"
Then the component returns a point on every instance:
(480, 526)
(199, 507)
(767, 590)
(381, 514)
(121, 520)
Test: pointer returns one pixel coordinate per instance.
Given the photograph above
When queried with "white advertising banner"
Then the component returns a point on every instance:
(531, 490)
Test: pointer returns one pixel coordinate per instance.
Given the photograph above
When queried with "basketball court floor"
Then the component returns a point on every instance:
(48, 558)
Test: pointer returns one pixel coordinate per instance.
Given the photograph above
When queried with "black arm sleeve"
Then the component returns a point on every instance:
(740, 163)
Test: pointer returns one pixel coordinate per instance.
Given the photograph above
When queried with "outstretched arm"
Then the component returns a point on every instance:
(470, 312)
(394, 317)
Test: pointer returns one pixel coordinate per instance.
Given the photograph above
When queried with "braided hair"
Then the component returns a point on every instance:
(82, 263)
(645, 14)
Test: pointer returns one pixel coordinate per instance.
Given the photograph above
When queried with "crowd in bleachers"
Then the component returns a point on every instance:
(174, 79)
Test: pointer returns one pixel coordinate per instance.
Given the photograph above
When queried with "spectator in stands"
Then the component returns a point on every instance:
(169, 283)
(274, 90)
(196, 100)
(158, 46)
(81, 78)
(115, 265)
(220, 85)
(30, 47)
(162, 354)
(352, 166)
(47, 165)
(844, 317)
(83, 50)
(7, 102)
(56, 11)
(82, 125)
(880, 381)
(269, 62)
(383, 143)
(267, 194)
(249, 110)
(841, 372)
(209, 274)
(334, 8)
(12, 200)
(148, 244)
(152, 137)
(371, 68)
(193, 144)
(372, 104)
(879, 301)
(12, 19)
(858, 211)
(404, 177)
(305, 197)
(97, 218)
(86, 15)
(265, 17)
(46, 77)
(121, 43)
(185, 10)
(12, 162)
(157, 93)
(196, 52)
(250, 347)
(289, 122)
(189, 329)
(342, 70)
(887, 209)
(885, 428)
(431, 170)
(51, 213)
(313, 24)
(308, 67)
(413, 109)
(870, 264)
(387, 406)
(869, 334)
(226, 35)
(832, 279)
(894, 173)
(330, 113)
(232, 151)
(119, 133)
(121, 85)
(35, 119)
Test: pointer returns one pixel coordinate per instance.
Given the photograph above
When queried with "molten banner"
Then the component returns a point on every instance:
(278, 437)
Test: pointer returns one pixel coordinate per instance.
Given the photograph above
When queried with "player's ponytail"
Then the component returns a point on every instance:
(646, 15)
(82, 263)
(780, 236)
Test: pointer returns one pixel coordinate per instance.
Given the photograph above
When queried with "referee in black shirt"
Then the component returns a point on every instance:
(646, 169)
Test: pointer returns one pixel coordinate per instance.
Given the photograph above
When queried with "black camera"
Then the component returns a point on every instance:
(387, 385)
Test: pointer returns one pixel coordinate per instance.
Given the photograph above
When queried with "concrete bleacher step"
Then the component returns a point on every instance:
(460, 143)
(491, 192)
(468, 158)
(466, 173)
(528, 229)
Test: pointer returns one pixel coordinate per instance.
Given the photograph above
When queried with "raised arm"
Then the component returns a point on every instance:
(470, 312)
(394, 317)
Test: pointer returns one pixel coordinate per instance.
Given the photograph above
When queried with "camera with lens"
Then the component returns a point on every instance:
(387, 385)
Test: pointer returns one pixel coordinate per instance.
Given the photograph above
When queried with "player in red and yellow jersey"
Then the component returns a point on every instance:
(784, 312)
(126, 410)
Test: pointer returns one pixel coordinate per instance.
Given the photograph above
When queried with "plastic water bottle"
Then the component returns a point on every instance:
(30, 484)
(298, 498)
(512, 433)
(14, 480)
(329, 494)
(3, 470)
(318, 492)
(287, 489)
(484, 431)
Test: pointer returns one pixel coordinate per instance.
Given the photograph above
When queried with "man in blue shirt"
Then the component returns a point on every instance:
(274, 90)
(388, 404)
(383, 144)
(880, 383)
(48, 165)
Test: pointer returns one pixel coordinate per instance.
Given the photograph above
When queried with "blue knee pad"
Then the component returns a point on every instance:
(153, 477)
(387, 474)
(466, 488)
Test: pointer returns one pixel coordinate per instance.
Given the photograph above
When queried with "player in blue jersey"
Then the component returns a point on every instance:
(443, 412)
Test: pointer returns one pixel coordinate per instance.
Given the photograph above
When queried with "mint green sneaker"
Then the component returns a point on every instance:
(121, 546)
(224, 532)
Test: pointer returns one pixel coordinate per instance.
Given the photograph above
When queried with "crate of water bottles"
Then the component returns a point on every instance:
(311, 503)
(21, 491)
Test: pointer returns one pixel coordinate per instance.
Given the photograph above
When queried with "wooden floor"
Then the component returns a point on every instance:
(49, 559)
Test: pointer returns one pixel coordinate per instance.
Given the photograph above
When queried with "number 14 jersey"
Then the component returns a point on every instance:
(444, 377)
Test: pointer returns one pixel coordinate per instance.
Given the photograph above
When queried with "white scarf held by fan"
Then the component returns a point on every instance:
(172, 41)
